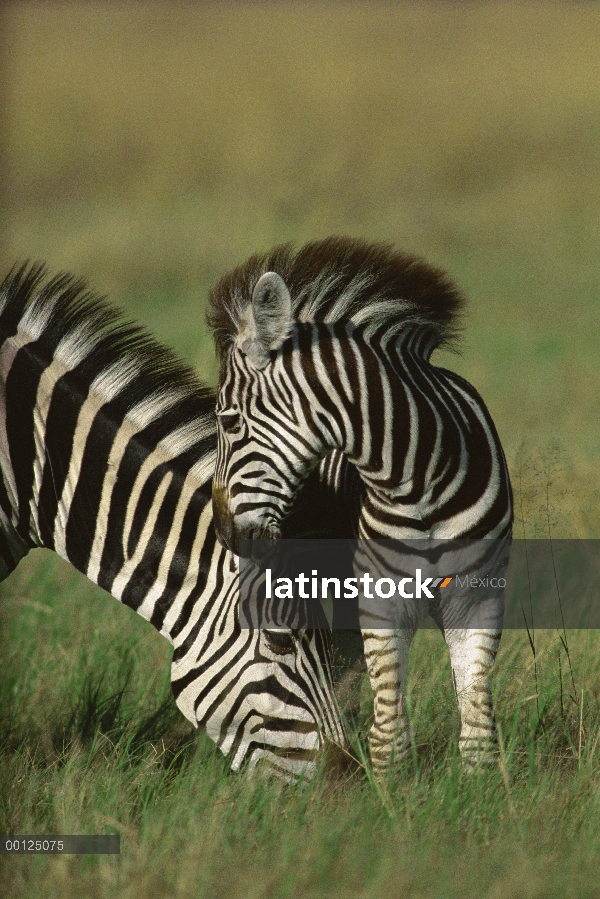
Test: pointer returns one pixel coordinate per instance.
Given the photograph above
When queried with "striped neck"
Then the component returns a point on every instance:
(356, 388)
(69, 437)
(101, 429)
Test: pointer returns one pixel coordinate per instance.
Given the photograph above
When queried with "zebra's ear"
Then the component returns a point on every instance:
(267, 321)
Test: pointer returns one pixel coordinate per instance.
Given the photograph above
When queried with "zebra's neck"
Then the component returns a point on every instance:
(360, 396)
(418, 435)
(71, 429)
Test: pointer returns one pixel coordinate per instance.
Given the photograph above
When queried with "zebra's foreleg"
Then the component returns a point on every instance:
(472, 656)
(386, 654)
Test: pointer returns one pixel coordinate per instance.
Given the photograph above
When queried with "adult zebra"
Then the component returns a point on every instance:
(329, 348)
(107, 449)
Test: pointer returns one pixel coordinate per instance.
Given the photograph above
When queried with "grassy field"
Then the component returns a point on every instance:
(92, 744)
(152, 146)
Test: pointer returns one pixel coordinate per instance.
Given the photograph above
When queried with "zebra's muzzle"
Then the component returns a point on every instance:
(223, 518)
(248, 539)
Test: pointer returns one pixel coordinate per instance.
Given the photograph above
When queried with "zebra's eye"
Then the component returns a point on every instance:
(280, 642)
(230, 421)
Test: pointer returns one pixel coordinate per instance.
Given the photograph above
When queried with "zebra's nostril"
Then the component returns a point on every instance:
(280, 642)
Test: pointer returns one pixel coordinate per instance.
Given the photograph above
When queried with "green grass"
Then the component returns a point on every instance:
(151, 151)
(91, 743)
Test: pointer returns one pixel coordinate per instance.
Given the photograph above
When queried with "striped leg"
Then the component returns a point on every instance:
(386, 654)
(472, 656)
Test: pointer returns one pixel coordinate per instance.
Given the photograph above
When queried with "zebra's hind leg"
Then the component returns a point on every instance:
(472, 656)
(386, 654)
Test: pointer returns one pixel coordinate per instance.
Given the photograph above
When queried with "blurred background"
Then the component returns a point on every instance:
(151, 146)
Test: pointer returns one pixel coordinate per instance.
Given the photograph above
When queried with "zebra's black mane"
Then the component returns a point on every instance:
(343, 279)
(76, 326)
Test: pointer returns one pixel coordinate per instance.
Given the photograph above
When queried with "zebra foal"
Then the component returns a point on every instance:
(328, 348)
(107, 450)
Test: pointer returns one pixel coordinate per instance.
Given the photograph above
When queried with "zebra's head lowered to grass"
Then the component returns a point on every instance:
(107, 448)
(304, 340)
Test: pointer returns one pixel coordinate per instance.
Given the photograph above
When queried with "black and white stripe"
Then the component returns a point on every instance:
(329, 349)
(107, 450)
